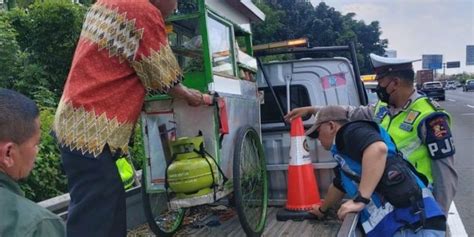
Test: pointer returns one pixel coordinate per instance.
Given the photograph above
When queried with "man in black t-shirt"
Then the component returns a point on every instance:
(362, 150)
(355, 140)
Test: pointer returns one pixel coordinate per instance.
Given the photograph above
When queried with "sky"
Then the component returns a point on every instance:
(417, 27)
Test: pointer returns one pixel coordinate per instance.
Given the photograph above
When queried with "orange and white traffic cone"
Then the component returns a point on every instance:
(303, 189)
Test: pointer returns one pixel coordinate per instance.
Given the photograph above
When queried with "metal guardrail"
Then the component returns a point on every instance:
(135, 215)
(57, 205)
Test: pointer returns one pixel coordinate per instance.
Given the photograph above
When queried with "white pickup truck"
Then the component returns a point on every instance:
(312, 81)
(308, 81)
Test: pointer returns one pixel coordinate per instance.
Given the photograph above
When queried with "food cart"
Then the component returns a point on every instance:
(199, 155)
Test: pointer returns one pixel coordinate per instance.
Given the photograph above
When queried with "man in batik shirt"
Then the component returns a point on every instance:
(122, 55)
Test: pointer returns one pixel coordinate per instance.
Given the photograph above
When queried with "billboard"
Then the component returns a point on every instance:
(470, 55)
(432, 61)
(453, 64)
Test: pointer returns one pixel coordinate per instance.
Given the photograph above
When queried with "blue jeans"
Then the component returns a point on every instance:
(420, 233)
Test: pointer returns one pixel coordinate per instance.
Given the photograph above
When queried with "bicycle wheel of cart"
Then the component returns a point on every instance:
(250, 182)
(162, 221)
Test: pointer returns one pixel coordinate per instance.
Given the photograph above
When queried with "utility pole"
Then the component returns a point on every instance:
(444, 70)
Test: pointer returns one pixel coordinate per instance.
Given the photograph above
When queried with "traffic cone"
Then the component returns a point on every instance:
(302, 186)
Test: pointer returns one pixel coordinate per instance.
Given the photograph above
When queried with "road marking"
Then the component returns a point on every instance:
(456, 227)
(467, 114)
(451, 100)
(470, 106)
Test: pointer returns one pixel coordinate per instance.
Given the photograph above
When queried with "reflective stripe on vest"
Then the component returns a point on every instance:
(378, 218)
(403, 128)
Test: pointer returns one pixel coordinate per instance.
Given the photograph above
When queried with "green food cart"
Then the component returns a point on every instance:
(199, 155)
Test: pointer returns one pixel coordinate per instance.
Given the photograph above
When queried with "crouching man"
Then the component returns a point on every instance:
(390, 197)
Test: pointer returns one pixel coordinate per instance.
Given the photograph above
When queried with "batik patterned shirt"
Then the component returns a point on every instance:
(122, 55)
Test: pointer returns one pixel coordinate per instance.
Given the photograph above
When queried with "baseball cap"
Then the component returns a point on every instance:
(326, 114)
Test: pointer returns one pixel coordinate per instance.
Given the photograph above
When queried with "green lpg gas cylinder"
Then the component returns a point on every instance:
(190, 174)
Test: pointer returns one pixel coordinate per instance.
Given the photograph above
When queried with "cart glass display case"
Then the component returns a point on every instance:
(198, 155)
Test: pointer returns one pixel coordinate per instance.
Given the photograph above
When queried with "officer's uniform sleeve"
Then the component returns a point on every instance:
(436, 135)
(360, 112)
(357, 112)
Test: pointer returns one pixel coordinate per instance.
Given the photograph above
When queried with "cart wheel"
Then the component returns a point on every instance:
(162, 221)
(250, 182)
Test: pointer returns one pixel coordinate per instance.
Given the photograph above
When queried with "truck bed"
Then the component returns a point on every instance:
(231, 227)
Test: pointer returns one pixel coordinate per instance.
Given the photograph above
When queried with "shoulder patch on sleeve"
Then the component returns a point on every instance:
(438, 139)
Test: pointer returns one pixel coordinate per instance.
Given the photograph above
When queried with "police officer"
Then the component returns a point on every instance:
(390, 199)
(419, 127)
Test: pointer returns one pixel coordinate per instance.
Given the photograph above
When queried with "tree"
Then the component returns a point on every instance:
(463, 77)
(53, 35)
(46, 180)
(36, 48)
(47, 34)
(23, 3)
(368, 41)
(9, 51)
(10, 4)
(267, 31)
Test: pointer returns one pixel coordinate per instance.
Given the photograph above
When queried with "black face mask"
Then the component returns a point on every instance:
(382, 93)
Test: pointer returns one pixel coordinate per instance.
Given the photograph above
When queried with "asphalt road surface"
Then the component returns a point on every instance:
(461, 107)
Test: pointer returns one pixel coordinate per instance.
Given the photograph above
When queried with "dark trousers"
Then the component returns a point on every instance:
(97, 206)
